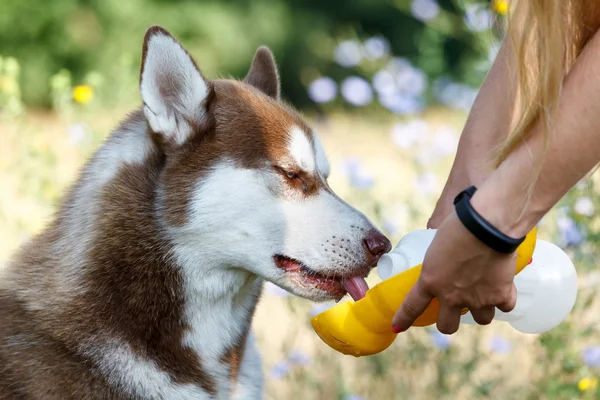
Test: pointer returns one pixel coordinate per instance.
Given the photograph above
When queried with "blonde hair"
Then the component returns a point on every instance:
(547, 36)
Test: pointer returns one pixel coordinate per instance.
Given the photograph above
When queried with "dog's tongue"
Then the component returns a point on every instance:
(356, 287)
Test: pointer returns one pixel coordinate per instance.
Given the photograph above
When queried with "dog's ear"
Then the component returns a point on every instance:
(263, 73)
(174, 92)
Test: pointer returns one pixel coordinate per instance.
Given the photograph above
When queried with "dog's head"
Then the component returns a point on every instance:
(245, 181)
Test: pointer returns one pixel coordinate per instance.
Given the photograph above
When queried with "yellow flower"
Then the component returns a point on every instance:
(501, 6)
(588, 384)
(83, 94)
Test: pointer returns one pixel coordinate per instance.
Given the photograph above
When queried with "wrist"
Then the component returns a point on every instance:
(513, 215)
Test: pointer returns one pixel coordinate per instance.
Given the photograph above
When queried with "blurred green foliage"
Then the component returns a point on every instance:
(106, 36)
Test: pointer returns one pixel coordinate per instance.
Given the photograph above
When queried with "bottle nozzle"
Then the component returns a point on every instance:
(391, 264)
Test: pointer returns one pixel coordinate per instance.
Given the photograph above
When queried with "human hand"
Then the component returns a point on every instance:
(461, 272)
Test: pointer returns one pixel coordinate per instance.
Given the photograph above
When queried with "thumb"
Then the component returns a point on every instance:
(413, 306)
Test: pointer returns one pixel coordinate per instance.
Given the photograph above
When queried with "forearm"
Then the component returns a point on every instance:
(573, 151)
(487, 126)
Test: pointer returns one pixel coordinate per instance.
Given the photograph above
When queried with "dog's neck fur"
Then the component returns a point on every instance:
(132, 293)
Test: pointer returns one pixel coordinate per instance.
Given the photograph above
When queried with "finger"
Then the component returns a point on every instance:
(433, 223)
(483, 316)
(413, 306)
(509, 304)
(448, 318)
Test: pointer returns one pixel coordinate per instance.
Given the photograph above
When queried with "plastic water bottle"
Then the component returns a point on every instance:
(546, 288)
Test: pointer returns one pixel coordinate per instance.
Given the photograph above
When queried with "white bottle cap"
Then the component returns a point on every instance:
(391, 264)
(409, 253)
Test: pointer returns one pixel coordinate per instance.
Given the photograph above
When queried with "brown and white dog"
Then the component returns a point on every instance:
(145, 284)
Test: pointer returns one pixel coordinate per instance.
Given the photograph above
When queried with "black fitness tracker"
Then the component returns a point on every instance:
(479, 227)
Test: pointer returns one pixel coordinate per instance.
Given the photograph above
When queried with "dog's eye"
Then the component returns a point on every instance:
(291, 175)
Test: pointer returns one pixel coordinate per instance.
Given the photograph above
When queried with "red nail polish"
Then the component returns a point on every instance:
(396, 329)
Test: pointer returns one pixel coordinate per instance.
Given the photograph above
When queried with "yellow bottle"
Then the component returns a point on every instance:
(364, 327)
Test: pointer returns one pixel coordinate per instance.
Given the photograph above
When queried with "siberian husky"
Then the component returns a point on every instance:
(145, 283)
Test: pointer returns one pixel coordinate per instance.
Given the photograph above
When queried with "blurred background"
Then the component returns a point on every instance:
(387, 83)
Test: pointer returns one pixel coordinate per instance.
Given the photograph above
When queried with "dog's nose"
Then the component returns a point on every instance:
(376, 245)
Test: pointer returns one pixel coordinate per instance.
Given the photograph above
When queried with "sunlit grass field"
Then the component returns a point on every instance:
(391, 169)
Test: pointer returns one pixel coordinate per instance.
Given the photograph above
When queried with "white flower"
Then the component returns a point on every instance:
(458, 96)
(347, 53)
(359, 177)
(407, 135)
(427, 183)
(478, 17)
(322, 90)
(357, 91)
(412, 81)
(384, 82)
(79, 133)
(362, 180)
(401, 104)
(584, 206)
(427, 156)
(425, 10)
(445, 141)
(390, 227)
(376, 47)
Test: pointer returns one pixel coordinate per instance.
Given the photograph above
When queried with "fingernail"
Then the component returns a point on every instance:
(396, 329)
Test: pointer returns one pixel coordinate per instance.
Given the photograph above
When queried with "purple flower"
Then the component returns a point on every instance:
(591, 356)
(280, 370)
(401, 104)
(359, 177)
(412, 81)
(455, 95)
(424, 10)
(440, 340)
(322, 90)
(571, 234)
(478, 17)
(347, 53)
(384, 83)
(376, 47)
(362, 180)
(357, 91)
(500, 345)
(350, 165)
(298, 357)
